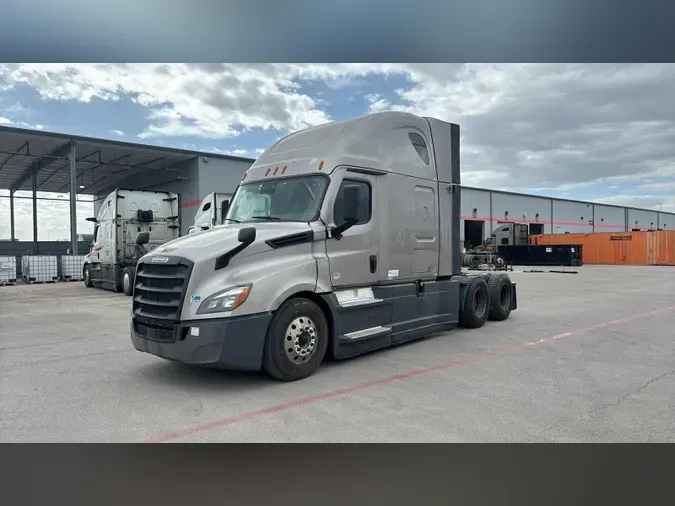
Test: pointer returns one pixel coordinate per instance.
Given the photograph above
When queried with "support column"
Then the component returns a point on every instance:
(72, 169)
(35, 222)
(492, 216)
(12, 233)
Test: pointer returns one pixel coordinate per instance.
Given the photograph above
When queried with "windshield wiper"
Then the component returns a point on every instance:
(232, 219)
(266, 217)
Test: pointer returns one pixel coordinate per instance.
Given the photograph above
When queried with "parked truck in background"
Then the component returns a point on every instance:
(340, 239)
(486, 254)
(211, 212)
(111, 262)
(508, 234)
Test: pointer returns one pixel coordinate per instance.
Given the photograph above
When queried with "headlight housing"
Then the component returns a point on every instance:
(225, 300)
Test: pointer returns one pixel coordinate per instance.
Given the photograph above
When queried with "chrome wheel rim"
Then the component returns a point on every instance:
(300, 340)
(126, 282)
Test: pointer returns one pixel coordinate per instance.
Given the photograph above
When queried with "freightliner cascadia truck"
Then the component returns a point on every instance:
(340, 239)
(111, 263)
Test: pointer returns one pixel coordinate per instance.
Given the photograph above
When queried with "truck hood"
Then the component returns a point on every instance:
(212, 243)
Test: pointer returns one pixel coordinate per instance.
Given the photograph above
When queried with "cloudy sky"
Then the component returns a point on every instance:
(593, 132)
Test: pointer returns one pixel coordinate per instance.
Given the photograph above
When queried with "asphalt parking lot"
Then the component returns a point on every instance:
(586, 358)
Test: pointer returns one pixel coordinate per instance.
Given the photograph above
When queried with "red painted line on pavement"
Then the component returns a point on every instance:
(303, 401)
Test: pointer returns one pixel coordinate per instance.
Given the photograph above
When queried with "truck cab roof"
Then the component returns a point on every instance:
(403, 144)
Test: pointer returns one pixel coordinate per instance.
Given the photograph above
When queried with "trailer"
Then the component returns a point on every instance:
(124, 214)
(341, 239)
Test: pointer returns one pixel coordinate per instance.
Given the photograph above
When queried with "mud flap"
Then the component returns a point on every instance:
(514, 297)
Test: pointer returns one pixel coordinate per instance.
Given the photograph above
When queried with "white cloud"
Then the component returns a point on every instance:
(20, 124)
(524, 126)
(245, 153)
(119, 133)
(53, 219)
(658, 187)
(656, 202)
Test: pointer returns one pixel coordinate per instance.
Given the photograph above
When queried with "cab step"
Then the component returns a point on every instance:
(362, 335)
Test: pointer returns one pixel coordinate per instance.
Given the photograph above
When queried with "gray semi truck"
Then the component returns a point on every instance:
(111, 262)
(340, 239)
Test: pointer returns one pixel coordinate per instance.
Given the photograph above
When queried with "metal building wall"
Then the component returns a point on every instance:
(666, 221)
(609, 218)
(220, 175)
(521, 209)
(557, 216)
(642, 219)
(572, 217)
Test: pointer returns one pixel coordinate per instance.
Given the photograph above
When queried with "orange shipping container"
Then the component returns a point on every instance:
(619, 248)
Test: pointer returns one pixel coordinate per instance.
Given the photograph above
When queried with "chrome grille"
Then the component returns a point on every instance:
(159, 292)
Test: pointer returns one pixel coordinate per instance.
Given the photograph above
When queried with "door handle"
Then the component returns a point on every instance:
(373, 264)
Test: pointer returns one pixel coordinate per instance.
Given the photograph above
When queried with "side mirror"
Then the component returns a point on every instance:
(247, 235)
(350, 208)
(142, 238)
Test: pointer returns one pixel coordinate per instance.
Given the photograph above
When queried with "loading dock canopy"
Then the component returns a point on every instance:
(99, 164)
(35, 161)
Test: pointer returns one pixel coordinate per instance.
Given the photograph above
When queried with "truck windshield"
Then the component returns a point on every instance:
(287, 199)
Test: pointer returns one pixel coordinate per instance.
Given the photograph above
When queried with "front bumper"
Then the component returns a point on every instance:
(224, 343)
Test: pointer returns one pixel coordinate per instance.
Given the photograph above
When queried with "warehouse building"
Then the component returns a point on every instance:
(51, 162)
(485, 210)
(38, 162)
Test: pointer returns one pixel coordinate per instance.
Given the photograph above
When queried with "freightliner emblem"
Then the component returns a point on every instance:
(159, 260)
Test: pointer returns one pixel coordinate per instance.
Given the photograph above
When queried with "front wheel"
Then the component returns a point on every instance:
(128, 281)
(297, 340)
(87, 277)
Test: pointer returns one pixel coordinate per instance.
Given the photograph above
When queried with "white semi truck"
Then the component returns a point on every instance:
(341, 239)
(111, 263)
(212, 211)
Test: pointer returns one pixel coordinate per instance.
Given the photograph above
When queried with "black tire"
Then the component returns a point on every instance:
(476, 307)
(499, 288)
(281, 359)
(128, 280)
(86, 273)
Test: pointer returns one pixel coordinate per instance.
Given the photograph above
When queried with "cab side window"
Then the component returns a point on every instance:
(364, 210)
(420, 146)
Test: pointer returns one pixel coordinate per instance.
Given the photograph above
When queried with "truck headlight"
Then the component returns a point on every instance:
(225, 300)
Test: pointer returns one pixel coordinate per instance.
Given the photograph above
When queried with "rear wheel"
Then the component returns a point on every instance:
(499, 288)
(87, 277)
(128, 281)
(476, 306)
(297, 340)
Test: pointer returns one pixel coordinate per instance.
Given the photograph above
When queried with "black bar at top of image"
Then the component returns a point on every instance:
(327, 475)
(348, 31)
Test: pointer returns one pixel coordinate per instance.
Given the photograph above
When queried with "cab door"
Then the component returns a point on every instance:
(354, 258)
